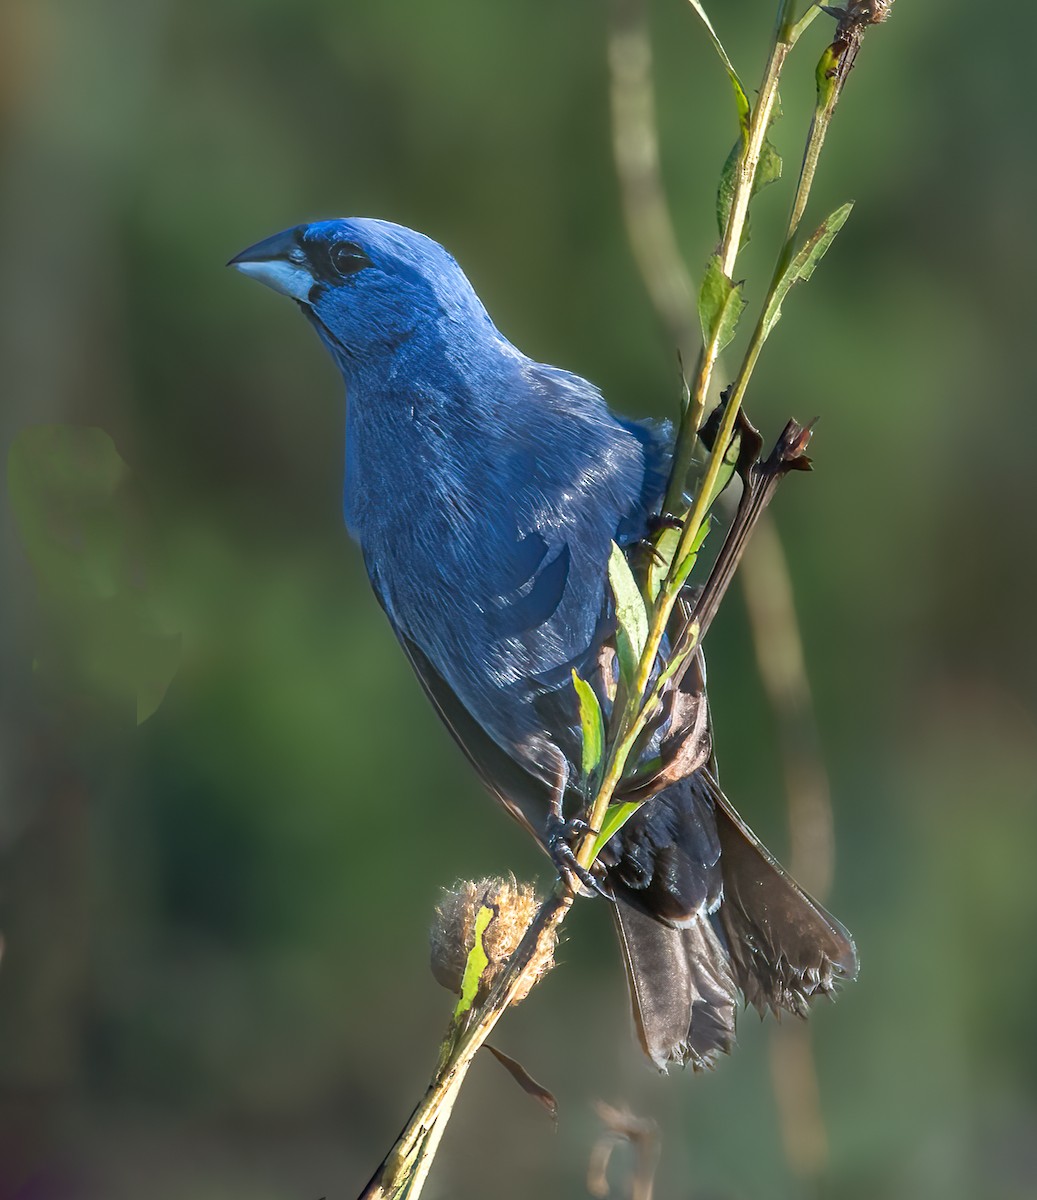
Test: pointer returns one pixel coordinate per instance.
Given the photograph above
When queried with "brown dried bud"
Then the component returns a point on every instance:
(863, 12)
(453, 933)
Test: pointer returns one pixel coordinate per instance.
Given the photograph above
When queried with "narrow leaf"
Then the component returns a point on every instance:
(802, 266)
(720, 305)
(684, 570)
(727, 467)
(592, 725)
(476, 963)
(526, 1081)
(665, 548)
(678, 658)
(741, 99)
(616, 816)
(768, 170)
(631, 617)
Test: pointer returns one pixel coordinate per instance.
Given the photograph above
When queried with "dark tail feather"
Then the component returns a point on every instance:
(785, 949)
(681, 988)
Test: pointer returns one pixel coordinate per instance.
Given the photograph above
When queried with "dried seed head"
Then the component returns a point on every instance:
(453, 932)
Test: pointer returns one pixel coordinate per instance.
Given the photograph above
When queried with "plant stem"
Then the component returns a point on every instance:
(638, 706)
(829, 89)
(403, 1172)
(761, 119)
(829, 81)
(728, 254)
(801, 25)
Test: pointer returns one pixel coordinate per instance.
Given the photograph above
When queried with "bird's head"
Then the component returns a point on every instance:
(368, 286)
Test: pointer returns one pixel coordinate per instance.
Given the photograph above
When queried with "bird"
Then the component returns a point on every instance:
(486, 491)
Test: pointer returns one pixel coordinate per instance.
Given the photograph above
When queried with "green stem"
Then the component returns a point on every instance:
(406, 1166)
(758, 126)
(797, 30)
(403, 1172)
(829, 89)
(691, 419)
(828, 93)
(638, 706)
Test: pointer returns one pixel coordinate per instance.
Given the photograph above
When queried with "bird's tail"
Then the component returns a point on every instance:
(785, 949)
(682, 988)
(768, 939)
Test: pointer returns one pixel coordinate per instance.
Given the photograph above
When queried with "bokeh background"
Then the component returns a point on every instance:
(215, 981)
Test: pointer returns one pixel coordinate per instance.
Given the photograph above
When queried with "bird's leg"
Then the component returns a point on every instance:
(559, 832)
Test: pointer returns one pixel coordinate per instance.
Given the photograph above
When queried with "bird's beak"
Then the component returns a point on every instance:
(280, 263)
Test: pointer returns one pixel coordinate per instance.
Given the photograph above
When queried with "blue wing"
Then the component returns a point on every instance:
(499, 579)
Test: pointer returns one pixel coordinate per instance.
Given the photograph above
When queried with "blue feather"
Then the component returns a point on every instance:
(484, 488)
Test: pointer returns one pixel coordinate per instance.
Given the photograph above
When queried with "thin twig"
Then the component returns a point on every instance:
(641, 1134)
(404, 1170)
(728, 254)
(639, 703)
(797, 1097)
(767, 587)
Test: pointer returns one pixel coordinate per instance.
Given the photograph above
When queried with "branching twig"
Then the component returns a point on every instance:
(767, 588)
(639, 702)
(727, 254)
(405, 1168)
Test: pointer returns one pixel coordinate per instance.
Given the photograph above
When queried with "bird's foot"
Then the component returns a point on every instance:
(559, 834)
(657, 523)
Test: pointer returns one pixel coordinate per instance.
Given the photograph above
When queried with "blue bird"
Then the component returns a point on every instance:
(485, 491)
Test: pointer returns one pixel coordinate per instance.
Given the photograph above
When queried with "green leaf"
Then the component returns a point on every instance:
(803, 264)
(678, 658)
(665, 549)
(727, 468)
(741, 99)
(592, 725)
(476, 963)
(768, 170)
(631, 617)
(720, 305)
(616, 816)
(684, 570)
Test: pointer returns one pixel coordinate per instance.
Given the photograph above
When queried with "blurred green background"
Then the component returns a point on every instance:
(215, 981)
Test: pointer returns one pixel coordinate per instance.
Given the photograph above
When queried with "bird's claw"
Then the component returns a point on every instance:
(558, 835)
(657, 523)
(660, 521)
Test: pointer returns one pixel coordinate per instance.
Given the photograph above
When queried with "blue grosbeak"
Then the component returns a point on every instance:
(486, 490)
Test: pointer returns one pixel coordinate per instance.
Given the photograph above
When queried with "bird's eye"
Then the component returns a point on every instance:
(347, 258)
